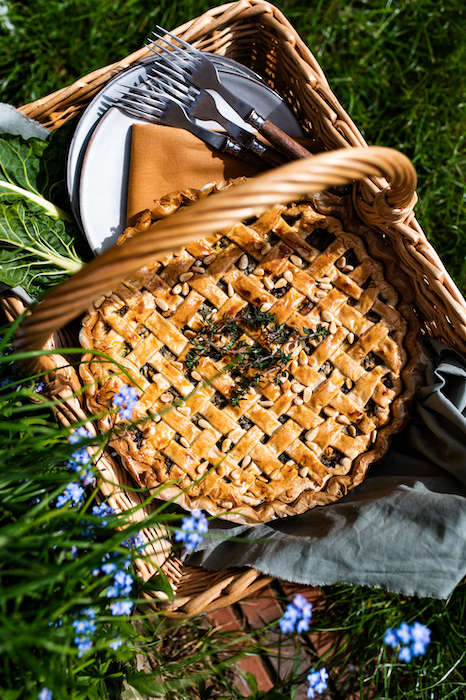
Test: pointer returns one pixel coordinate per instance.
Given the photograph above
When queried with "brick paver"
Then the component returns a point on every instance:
(255, 613)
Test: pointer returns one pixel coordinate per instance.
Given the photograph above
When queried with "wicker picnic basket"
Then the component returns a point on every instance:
(256, 34)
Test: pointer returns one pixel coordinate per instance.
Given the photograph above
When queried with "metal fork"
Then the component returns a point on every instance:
(199, 104)
(192, 67)
(143, 103)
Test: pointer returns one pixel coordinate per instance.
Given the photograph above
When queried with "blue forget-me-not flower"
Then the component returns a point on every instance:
(410, 641)
(103, 511)
(81, 457)
(134, 542)
(84, 626)
(45, 694)
(126, 399)
(317, 682)
(122, 585)
(297, 615)
(116, 643)
(80, 434)
(109, 567)
(192, 529)
(72, 493)
(84, 645)
(123, 608)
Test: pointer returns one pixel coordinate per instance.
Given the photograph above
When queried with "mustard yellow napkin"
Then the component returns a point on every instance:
(165, 159)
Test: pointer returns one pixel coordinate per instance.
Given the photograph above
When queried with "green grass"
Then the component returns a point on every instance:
(398, 68)
(49, 555)
(360, 661)
(55, 43)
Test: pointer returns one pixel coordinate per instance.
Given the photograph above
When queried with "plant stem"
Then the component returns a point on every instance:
(49, 207)
(56, 259)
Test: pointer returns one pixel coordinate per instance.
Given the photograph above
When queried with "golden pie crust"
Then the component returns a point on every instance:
(291, 444)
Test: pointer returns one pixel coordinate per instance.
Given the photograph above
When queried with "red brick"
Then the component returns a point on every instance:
(224, 619)
(324, 641)
(262, 610)
(255, 665)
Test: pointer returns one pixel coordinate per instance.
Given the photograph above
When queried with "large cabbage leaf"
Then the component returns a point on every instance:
(37, 237)
(35, 250)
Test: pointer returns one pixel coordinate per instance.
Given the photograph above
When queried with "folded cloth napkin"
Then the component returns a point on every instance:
(403, 529)
(165, 159)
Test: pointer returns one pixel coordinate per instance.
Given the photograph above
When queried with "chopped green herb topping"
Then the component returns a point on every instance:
(320, 333)
(250, 365)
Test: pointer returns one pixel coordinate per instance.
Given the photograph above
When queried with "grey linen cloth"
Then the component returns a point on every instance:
(402, 529)
(14, 122)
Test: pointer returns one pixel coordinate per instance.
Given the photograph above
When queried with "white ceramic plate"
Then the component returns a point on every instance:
(99, 106)
(101, 170)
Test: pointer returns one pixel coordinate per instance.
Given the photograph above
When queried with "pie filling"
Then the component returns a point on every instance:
(267, 360)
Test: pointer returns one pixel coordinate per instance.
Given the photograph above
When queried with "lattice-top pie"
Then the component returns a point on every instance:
(285, 406)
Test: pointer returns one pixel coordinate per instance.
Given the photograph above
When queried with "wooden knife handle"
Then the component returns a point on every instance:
(283, 142)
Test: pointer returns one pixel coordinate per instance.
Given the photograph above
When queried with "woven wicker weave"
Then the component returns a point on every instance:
(258, 35)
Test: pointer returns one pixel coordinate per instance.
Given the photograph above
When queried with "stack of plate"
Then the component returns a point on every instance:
(99, 154)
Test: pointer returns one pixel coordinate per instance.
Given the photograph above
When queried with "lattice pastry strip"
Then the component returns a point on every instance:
(271, 442)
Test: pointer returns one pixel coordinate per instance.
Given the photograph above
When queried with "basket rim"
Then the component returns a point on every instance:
(444, 317)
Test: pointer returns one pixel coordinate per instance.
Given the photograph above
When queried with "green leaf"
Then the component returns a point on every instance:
(146, 683)
(24, 173)
(10, 694)
(36, 235)
(159, 583)
(20, 161)
(36, 251)
(252, 683)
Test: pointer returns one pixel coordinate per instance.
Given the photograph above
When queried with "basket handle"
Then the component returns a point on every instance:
(281, 185)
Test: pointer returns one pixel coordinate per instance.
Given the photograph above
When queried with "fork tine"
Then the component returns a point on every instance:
(143, 90)
(176, 66)
(174, 70)
(142, 108)
(161, 49)
(183, 53)
(180, 65)
(137, 110)
(137, 97)
(167, 92)
(162, 88)
(157, 98)
(161, 52)
(174, 79)
(150, 43)
(189, 49)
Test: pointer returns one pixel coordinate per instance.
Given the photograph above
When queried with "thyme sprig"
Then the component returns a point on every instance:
(320, 333)
(250, 365)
